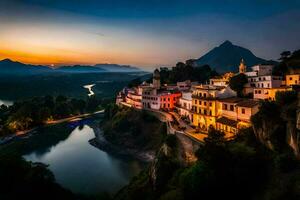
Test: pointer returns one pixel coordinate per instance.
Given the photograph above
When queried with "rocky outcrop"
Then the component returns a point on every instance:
(271, 124)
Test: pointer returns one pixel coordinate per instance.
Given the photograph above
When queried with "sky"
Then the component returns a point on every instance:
(147, 34)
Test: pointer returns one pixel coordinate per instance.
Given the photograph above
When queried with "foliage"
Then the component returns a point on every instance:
(26, 114)
(285, 98)
(288, 60)
(183, 72)
(131, 128)
(21, 179)
(237, 83)
(135, 82)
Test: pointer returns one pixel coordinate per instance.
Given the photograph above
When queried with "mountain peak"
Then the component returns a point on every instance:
(227, 57)
(226, 43)
(6, 60)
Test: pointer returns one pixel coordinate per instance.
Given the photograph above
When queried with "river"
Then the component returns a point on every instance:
(89, 87)
(82, 168)
(5, 102)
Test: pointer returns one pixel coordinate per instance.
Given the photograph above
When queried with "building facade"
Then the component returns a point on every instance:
(185, 105)
(205, 107)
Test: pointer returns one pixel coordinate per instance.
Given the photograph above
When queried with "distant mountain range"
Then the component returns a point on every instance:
(8, 66)
(227, 57)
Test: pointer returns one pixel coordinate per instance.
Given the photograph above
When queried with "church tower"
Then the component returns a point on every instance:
(242, 67)
(156, 79)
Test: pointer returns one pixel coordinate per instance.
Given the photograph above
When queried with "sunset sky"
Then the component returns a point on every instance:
(142, 33)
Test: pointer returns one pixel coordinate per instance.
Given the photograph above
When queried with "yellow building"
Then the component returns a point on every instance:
(219, 108)
(205, 104)
(268, 93)
(235, 114)
(292, 79)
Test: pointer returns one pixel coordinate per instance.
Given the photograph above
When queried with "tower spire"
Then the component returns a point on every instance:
(242, 67)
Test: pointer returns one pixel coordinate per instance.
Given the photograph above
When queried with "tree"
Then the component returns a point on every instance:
(284, 55)
(135, 82)
(237, 83)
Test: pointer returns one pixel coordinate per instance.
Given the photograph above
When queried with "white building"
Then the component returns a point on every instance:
(265, 81)
(185, 105)
(150, 99)
(262, 70)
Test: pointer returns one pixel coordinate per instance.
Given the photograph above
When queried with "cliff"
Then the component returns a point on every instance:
(132, 132)
(275, 125)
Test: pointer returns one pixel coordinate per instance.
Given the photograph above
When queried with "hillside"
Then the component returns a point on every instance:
(9, 67)
(117, 68)
(227, 57)
(79, 69)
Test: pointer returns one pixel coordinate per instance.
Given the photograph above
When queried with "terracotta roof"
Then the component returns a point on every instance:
(231, 100)
(228, 122)
(249, 103)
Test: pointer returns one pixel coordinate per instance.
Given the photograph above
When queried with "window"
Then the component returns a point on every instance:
(205, 103)
(243, 110)
(200, 102)
(204, 112)
(204, 95)
(291, 78)
(210, 104)
(231, 108)
(210, 113)
(196, 101)
(225, 106)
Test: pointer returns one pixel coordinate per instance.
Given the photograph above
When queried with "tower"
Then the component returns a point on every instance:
(242, 67)
(156, 79)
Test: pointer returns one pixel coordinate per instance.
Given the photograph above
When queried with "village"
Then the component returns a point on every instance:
(198, 107)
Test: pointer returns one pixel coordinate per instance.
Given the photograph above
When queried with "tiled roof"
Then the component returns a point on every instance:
(249, 103)
(231, 100)
(226, 121)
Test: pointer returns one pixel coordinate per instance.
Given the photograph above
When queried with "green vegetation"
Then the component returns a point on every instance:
(21, 179)
(288, 61)
(69, 84)
(242, 168)
(237, 83)
(183, 72)
(41, 142)
(273, 122)
(132, 129)
(135, 82)
(34, 112)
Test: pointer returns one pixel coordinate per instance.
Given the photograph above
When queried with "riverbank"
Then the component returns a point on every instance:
(100, 142)
(128, 132)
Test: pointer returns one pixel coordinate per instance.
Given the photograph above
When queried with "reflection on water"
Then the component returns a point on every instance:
(83, 168)
(7, 103)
